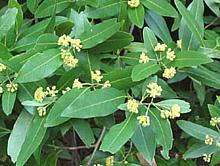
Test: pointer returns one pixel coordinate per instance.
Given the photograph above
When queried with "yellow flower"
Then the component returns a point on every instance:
(77, 84)
(96, 75)
(106, 84)
(41, 111)
(175, 111)
(51, 91)
(76, 43)
(109, 161)
(2, 67)
(70, 61)
(66, 90)
(208, 140)
(218, 143)
(169, 72)
(132, 106)
(170, 55)
(160, 47)
(11, 87)
(1, 90)
(214, 121)
(65, 53)
(207, 158)
(144, 120)
(179, 43)
(154, 90)
(134, 3)
(144, 58)
(39, 95)
(165, 114)
(64, 40)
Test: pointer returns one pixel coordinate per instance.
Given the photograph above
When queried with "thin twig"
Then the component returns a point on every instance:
(71, 148)
(96, 146)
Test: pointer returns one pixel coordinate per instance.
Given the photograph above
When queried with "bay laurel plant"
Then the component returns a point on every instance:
(109, 82)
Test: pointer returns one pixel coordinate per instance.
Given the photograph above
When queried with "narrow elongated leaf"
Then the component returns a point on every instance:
(8, 100)
(162, 7)
(99, 33)
(136, 15)
(196, 130)
(119, 134)
(18, 134)
(92, 103)
(142, 71)
(150, 40)
(54, 117)
(32, 5)
(33, 139)
(39, 66)
(4, 52)
(214, 111)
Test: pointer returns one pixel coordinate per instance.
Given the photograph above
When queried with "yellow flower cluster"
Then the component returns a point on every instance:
(179, 43)
(41, 111)
(165, 114)
(170, 55)
(66, 90)
(207, 158)
(134, 3)
(1, 90)
(154, 90)
(51, 91)
(96, 75)
(214, 121)
(39, 95)
(12, 87)
(169, 72)
(160, 47)
(208, 140)
(2, 67)
(175, 111)
(144, 58)
(109, 161)
(67, 41)
(68, 59)
(77, 84)
(106, 84)
(144, 120)
(132, 106)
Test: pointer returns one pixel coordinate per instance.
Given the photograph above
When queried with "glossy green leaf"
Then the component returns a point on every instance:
(150, 40)
(32, 5)
(8, 101)
(4, 52)
(136, 15)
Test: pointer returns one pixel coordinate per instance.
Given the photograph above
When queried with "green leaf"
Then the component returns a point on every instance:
(136, 15)
(145, 142)
(119, 134)
(40, 66)
(213, 6)
(167, 104)
(54, 117)
(190, 58)
(161, 7)
(4, 52)
(7, 21)
(191, 22)
(33, 139)
(92, 103)
(162, 131)
(196, 130)
(214, 111)
(32, 5)
(99, 33)
(8, 101)
(167, 92)
(84, 131)
(18, 134)
(142, 71)
(150, 40)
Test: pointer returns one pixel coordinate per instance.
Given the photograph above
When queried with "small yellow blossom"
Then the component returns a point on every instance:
(106, 84)
(154, 90)
(132, 106)
(208, 140)
(2, 67)
(214, 121)
(41, 111)
(179, 43)
(77, 84)
(144, 120)
(64, 40)
(70, 61)
(144, 58)
(65, 53)
(134, 3)
(109, 161)
(207, 158)
(170, 55)
(66, 90)
(1, 90)
(39, 95)
(169, 72)
(97, 165)
(96, 75)
(51, 91)
(165, 114)
(218, 143)
(11, 87)
(76, 43)
(160, 47)
(175, 111)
